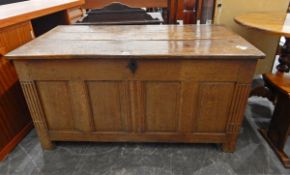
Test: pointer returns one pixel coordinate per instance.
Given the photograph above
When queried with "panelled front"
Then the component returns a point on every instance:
(186, 106)
(161, 97)
(107, 104)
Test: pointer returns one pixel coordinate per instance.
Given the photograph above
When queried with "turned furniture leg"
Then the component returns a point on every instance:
(284, 57)
(283, 66)
(37, 114)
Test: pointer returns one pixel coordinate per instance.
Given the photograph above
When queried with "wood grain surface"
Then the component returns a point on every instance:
(273, 22)
(189, 41)
(15, 121)
(24, 11)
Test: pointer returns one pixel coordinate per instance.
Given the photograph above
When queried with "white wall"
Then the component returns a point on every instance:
(262, 40)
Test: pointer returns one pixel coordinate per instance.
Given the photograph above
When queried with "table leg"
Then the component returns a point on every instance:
(277, 133)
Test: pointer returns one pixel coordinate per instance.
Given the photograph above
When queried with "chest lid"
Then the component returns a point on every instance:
(138, 41)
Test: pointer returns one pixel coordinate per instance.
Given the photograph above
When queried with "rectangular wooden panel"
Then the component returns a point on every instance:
(82, 113)
(55, 97)
(13, 36)
(213, 106)
(15, 121)
(162, 104)
(108, 102)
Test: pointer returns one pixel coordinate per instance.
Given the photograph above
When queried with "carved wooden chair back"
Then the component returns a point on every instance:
(163, 4)
(190, 11)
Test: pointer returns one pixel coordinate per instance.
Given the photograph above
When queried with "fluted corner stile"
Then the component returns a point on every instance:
(37, 114)
(236, 113)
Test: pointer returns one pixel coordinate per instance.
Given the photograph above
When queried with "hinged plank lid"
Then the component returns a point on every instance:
(140, 41)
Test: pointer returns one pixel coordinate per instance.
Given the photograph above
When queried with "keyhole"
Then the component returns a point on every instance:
(133, 66)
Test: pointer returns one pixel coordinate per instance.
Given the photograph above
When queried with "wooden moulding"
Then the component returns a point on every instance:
(237, 109)
(34, 105)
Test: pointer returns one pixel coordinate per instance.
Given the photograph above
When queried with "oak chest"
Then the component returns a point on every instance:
(137, 83)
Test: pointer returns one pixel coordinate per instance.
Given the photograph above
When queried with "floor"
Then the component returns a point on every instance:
(253, 155)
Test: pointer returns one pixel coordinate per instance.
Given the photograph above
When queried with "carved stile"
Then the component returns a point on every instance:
(37, 114)
(236, 113)
(82, 114)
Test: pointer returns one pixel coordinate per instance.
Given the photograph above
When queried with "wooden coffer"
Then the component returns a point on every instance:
(162, 101)
(137, 83)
